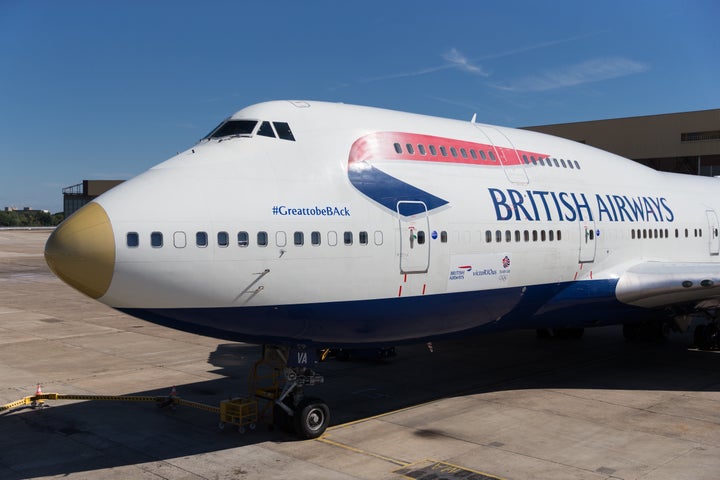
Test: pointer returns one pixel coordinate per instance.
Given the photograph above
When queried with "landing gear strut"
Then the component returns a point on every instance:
(308, 417)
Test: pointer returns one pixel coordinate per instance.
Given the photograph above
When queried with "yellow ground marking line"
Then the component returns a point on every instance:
(379, 415)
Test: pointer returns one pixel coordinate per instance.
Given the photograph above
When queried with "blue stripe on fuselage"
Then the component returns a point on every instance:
(407, 320)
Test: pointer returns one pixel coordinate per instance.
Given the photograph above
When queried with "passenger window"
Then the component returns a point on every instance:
(533, 159)
(570, 164)
(315, 238)
(223, 239)
(542, 162)
(201, 239)
(453, 151)
(348, 238)
(498, 236)
(243, 239)
(443, 237)
(526, 236)
(363, 238)
(577, 165)
(398, 148)
(488, 236)
(542, 235)
(463, 152)
(482, 154)
(491, 154)
(262, 239)
(473, 154)
(535, 236)
(280, 239)
(517, 235)
(555, 161)
(378, 237)
(421, 149)
(179, 240)
(266, 130)
(563, 163)
(525, 159)
(432, 149)
(298, 239)
(156, 239)
(133, 240)
(332, 238)
(508, 236)
(551, 235)
(421, 237)
(283, 131)
(443, 151)
(410, 149)
(559, 235)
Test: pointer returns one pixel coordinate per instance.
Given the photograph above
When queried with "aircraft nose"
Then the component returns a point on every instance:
(81, 251)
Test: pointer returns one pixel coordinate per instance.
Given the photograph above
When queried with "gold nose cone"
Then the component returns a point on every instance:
(81, 251)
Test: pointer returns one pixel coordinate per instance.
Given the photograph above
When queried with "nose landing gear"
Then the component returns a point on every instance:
(290, 409)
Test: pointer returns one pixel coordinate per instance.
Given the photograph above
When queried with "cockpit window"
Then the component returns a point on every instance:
(266, 130)
(283, 131)
(233, 128)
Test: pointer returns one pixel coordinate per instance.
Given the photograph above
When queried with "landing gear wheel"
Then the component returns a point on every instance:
(311, 418)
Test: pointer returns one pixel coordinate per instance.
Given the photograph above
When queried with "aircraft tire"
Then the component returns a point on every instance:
(311, 418)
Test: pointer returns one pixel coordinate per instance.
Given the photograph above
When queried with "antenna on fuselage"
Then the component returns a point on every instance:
(474, 118)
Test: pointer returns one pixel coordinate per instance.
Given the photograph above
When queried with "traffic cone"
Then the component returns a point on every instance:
(36, 401)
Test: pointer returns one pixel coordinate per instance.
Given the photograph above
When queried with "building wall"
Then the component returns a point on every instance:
(76, 196)
(676, 140)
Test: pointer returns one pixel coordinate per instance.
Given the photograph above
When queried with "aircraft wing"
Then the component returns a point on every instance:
(663, 284)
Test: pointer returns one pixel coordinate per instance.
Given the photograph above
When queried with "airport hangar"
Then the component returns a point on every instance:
(687, 142)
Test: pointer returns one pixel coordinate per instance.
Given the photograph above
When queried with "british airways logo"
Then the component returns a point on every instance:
(542, 205)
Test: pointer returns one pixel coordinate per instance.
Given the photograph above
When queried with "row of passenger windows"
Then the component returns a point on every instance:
(483, 155)
(664, 233)
(541, 235)
(202, 239)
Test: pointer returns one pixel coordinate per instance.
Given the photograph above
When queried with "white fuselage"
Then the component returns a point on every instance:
(344, 234)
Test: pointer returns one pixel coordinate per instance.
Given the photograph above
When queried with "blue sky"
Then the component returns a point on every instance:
(105, 90)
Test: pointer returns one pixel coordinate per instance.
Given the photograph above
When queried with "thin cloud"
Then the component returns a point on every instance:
(457, 59)
(590, 71)
(454, 59)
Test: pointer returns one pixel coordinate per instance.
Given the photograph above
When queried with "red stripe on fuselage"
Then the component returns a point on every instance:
(381, 146)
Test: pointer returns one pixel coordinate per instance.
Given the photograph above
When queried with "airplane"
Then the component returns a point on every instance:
(304, 226)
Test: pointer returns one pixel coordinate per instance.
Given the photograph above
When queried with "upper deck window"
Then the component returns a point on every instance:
(232, 128)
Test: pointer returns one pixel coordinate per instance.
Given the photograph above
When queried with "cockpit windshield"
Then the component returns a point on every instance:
(231, 128)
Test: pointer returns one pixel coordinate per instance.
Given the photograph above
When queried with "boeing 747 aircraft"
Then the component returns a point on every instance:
(304, 226)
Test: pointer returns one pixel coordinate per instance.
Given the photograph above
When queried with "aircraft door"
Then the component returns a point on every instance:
(588, 239)
(509, 159)
(414, 237)
(713, 232)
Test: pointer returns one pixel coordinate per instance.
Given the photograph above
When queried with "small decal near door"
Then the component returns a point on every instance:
(478, 272)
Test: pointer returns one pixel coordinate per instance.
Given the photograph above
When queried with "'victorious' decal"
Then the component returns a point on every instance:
(383, 146)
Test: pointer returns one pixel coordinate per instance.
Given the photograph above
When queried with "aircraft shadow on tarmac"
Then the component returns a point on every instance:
(66, 438)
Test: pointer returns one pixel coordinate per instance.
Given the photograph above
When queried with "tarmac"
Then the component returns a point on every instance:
(506, 406)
